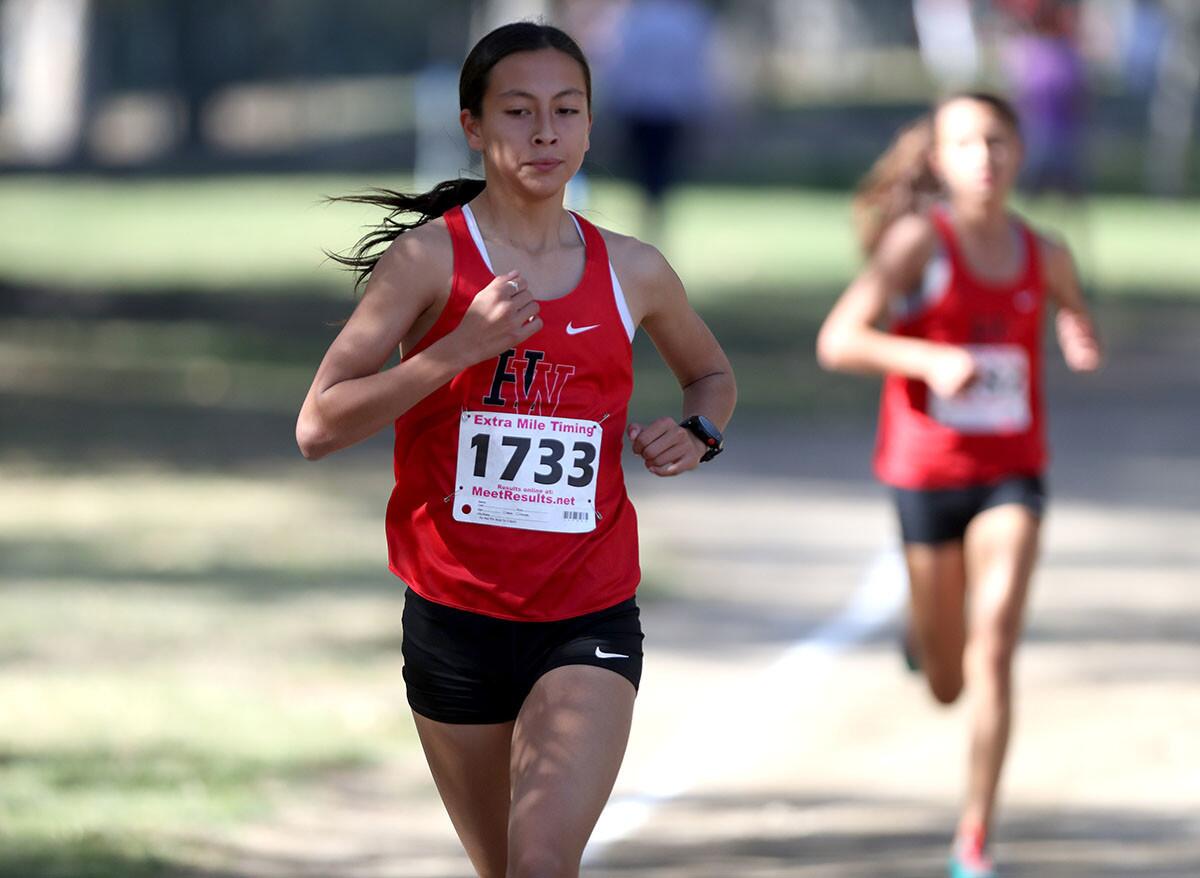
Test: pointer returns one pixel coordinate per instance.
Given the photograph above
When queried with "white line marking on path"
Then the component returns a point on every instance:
(878, 598)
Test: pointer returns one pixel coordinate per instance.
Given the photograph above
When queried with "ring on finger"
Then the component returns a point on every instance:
(516, 287)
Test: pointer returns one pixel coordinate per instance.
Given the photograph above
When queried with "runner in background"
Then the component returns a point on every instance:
(961, 432)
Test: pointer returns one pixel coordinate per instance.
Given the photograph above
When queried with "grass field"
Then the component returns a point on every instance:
(195, 626)
(177, 652)
(266, 234)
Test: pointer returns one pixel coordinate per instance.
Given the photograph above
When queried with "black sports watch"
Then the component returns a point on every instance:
(707, 432)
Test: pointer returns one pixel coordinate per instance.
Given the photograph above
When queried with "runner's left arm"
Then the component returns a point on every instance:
(659, 304)
(1072, 323)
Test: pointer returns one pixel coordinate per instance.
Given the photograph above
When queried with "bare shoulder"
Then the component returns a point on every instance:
(1055, 254)
(899, 260)
(634, 259)
(419, 261)
(405, 292)
(649, 282)
(908, 242)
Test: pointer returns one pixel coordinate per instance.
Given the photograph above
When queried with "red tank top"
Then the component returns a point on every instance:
(995, 428)
(510, 500)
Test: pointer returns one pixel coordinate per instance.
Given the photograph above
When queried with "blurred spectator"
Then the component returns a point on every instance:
(42, 57)
(658, 83)
(1146, 31)
(592, 24)
(1049, 87)
(1173, 105)
(440, 151)
(947, 40)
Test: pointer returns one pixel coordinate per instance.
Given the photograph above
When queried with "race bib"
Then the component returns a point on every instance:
(998, 400)
(527, 472)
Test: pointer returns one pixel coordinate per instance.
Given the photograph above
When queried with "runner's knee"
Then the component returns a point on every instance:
(991, 657)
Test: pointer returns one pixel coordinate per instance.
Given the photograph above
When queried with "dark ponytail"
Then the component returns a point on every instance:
(427, 206)
(521, 36)
(902, 180)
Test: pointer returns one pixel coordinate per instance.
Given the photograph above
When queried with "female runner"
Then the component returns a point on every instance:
(509, 520)
(961, 435)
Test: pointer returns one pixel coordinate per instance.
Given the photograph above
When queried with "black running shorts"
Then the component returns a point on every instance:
(462, 667)
(942, 515)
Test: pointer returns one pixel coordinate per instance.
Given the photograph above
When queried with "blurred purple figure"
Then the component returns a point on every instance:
(1050, 92)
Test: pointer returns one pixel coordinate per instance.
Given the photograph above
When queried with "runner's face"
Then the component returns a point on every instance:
(977, 153)
(535, 121)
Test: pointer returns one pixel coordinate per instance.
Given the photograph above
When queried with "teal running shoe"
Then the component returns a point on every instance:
(968, 860)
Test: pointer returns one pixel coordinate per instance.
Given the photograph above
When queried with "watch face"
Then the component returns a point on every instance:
(709, 427)
(706, 431)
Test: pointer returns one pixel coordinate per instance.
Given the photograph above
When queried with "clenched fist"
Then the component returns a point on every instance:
(951, 370)
(667, 448)
(501, 316)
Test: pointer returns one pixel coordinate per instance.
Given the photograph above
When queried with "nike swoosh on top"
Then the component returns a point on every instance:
(575, 330)
(602, 654)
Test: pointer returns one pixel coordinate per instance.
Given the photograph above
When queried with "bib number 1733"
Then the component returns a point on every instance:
(527, 472)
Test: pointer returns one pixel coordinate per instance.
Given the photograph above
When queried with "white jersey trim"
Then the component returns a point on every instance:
(622, 305)
(477, 237)
(618, 292)
(578, 228)
(935, 283)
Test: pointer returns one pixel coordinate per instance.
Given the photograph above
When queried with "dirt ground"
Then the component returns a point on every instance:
(777, 733)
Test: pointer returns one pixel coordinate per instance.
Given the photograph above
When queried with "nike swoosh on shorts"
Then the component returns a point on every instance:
(601, 654)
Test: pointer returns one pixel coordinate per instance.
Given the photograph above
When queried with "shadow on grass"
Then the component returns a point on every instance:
(167, 785)
(121, 378)
(287, 313)
(85, 856)
(65, 560)
(158, 768)
(196, 379)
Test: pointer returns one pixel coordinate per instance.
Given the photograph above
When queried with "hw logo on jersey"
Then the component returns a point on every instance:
(990, 329)
(537, 386)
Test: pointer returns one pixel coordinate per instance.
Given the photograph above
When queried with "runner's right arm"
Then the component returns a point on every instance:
(350, 398)
(850, 339)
